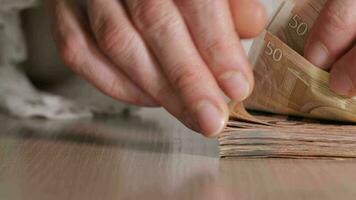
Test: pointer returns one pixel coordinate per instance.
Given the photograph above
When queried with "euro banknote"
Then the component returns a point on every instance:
(286, 83)
(294, 20)
(301, 117)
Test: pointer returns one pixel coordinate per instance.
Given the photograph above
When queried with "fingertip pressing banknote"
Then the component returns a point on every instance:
(288, 85)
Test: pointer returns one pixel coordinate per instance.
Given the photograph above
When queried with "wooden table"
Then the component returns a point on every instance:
(150, 156)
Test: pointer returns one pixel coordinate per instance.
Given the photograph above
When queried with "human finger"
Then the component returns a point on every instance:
(213, 31)
(120, 41)
(80, 53)
(333, 33)
(343, 74)
(249, 16)
(163, 28)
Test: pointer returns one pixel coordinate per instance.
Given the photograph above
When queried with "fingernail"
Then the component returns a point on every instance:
(340, 82)
(210, 118)
(318, 54)
(236, 85)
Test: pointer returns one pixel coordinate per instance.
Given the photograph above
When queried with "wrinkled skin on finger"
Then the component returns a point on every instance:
(179, 54)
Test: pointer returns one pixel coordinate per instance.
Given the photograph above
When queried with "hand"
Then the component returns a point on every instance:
(179, 54)
(332, 46)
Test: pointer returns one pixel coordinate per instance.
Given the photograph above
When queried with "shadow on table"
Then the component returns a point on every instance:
(124, 130)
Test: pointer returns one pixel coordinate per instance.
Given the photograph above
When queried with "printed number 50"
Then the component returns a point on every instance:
(276, 53)
(301, 28)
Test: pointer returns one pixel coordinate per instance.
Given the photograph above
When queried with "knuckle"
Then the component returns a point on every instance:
(219, 46)
(152, 16)
(112, 37)
(214, 51)
(337, 18)
(164, 93)
(71, 50)
(118, 43)
(184, 79)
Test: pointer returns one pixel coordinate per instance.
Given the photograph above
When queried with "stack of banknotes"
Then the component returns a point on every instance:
(301, 117)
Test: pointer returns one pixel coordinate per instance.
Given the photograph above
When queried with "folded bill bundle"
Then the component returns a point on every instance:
(287, 84)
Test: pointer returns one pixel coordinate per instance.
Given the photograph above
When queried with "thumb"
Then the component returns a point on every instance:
(343, 74)
(333, 33)
(249, 16)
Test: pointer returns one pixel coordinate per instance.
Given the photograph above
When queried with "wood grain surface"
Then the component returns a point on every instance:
(148, 155)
